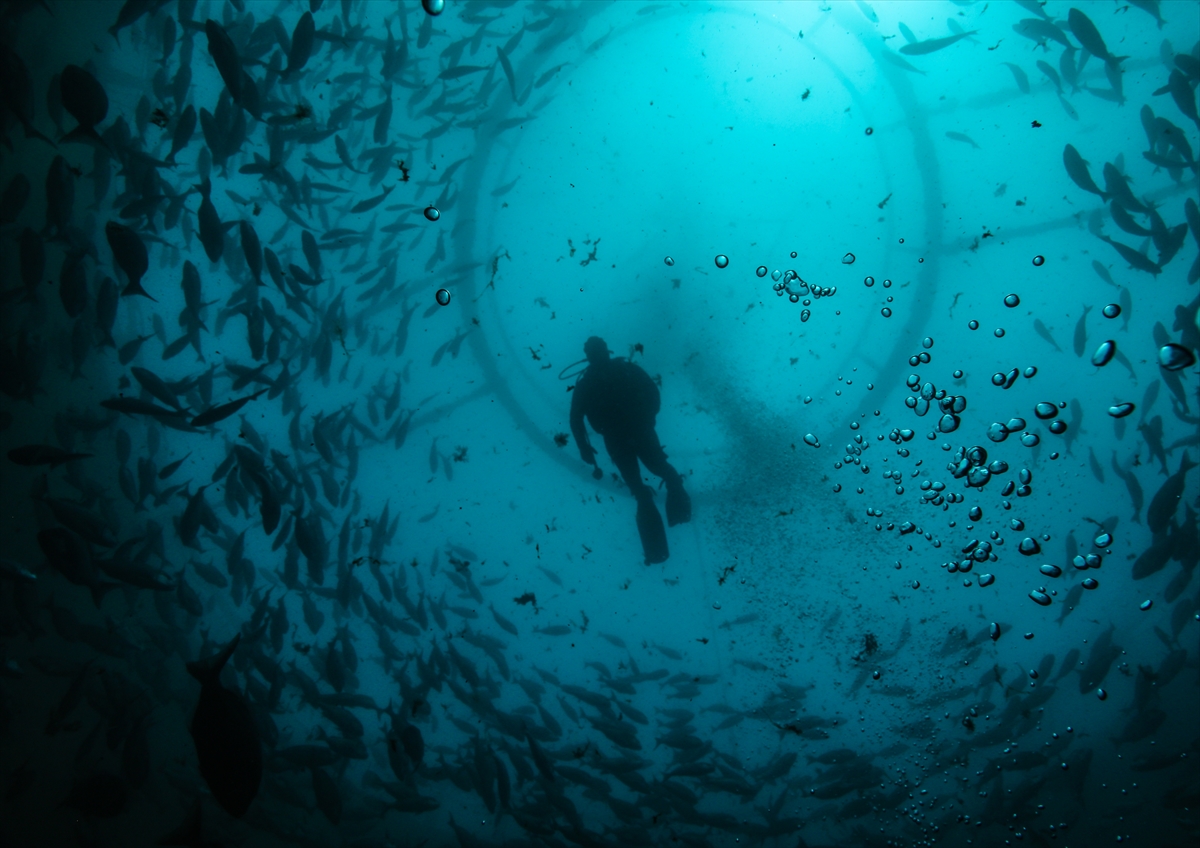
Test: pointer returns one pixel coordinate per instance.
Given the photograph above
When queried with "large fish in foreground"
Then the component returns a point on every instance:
(226, 737)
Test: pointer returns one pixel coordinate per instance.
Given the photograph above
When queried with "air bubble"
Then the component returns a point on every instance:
(1175, 357)
(1039, 260)
(848, 259)
(722, 260)
(1030, 440)
(432, 213)
(1104, 353)
(761, 270)
(1012, 300)
(885, 312)
(973, 324)
(998, 332)
(1112, 310)
(868, 281)
(433, 8)
(443, 297)
(1120, 410)
(870, 130)
(670, 260)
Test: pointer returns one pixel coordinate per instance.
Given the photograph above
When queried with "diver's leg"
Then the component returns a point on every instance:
(650, 450)
(649, 523)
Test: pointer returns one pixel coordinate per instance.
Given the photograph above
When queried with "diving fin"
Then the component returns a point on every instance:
(650, 528)
(679, 505)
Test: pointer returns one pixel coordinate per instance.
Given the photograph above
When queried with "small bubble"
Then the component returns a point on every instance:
(1012, 300)
(973, 324)
(432, 213)
(811, 440)
(887, 284)
(998, 332)
(958, 374)
(442, 296)
(670, 260)
(433, 7)
(1145, 605)
(1039, 260)
(1030, 371)
(1120, 410)
(794, 298)
(716, 605)
(902, 241)
(885, 312)
(927, 342)
(916, 584)
(1030, 440)
(1112, 310)
(870, 130)
(848, 259)
(793, 254)
(804, 315)
(868, 281)
(722, 260)
(761, 270)
(776, 274)
(1101, 694)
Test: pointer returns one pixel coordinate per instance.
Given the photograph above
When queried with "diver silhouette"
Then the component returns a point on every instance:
(620, 401)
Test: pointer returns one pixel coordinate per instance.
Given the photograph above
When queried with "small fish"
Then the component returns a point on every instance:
(129, 252)
(43, 455)
(1019, 75)
(219, 413)
(920, 48)
(957, 136)
(1044, 332)
(1077, 170)
(1081, 331)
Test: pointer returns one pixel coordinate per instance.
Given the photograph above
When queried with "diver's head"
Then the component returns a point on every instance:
(595, 350)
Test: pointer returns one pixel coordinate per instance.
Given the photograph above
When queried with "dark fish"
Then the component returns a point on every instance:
(184, 128)
(1084, 30)
(225, 55)
(1081, 331)
(1183, 95)
(1041, 30)
(1132, 485)
(508, 71)
(1117, 186)
(226, 737)
(252, 249)
(302, 44)
(1136, 259)
(219, 413)
(130, 255)
(85, 99)
(371, 202)
(1042, 330)
(16, 88)
(72, 285)
(212, 232)
(460, 71)
(1077, 170)
(16, 194)
(43, 455)
(1166, 500)
(957, 136)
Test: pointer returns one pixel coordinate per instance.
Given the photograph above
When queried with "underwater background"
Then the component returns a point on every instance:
(294, 297)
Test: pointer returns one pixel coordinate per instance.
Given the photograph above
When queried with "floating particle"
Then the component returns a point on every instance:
(1175, 357)
(1104, 353)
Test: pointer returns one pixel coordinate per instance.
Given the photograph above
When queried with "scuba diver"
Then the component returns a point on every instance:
(621, 401)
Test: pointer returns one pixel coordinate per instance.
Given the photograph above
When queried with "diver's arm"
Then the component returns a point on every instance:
(578, 430)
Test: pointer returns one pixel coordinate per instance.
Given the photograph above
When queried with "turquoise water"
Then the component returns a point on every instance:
(936, 585)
